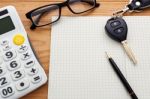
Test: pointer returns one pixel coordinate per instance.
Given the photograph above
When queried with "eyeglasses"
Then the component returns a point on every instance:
(42, 16)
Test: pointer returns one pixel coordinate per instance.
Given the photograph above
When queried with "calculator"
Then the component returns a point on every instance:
(20, 70)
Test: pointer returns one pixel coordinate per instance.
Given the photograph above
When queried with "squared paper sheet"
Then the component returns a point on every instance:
(79, 68)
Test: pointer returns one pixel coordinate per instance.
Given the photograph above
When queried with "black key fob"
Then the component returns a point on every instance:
(117, 29)
(139, 4)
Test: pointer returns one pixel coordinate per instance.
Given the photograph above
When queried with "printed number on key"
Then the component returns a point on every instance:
(6, 92)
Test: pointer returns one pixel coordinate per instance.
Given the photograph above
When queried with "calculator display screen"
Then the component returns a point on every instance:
(6, 25)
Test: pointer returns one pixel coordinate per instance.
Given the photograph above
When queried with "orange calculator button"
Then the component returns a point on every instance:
(18, 39)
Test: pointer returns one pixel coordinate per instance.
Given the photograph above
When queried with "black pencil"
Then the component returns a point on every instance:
(122, 78)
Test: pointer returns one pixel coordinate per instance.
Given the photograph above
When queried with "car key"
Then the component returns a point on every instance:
(134, 5)
(138, 4)
(117, 29)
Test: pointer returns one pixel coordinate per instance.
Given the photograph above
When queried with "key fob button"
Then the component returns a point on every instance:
(22, 85)
(17, 75)
(119, 30)
(7, 91)
(115, 23)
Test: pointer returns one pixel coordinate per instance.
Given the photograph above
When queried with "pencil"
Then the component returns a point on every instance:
(121, 77)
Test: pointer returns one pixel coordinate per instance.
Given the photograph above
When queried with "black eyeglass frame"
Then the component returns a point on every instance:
(60, 5)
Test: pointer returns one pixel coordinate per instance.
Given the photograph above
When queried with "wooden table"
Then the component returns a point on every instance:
(41, 37)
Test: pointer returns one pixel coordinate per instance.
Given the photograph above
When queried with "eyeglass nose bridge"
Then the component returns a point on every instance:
(66, 4)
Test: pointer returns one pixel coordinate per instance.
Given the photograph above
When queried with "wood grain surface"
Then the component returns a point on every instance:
(41, 37)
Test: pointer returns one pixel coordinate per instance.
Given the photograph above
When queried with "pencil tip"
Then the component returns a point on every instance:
(108, 55)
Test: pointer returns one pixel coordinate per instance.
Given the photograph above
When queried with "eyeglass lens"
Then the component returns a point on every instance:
(44, 15)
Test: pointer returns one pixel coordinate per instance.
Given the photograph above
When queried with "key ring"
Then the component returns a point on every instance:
(133, 6)
(120, 13)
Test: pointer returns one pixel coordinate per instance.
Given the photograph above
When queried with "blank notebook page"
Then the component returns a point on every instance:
(79, 68)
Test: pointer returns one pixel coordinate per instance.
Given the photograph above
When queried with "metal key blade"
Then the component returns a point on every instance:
(129, 51)
(121, 12)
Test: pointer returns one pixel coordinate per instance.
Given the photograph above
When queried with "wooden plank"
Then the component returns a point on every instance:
(59, 0)
(105, 9)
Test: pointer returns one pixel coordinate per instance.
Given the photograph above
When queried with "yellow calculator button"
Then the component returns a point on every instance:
(18, 39)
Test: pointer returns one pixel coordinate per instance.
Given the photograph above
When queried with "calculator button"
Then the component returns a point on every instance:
(23, 84)
(25, 56)
(29, 63)
(18, 74)
(36, 79)
(7, 91)
(15, 64)
(32, 71)
(9, 55)
(2, 70)
(4, 81)
(22, 48)
(18, 39)
(6, 47)
(4, 42)
(115, 23)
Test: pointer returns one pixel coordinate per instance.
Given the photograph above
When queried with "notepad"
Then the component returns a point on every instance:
(79, 68)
